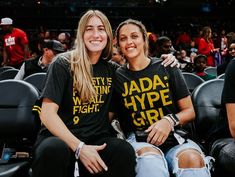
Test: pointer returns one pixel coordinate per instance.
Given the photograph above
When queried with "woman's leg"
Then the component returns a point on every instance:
(187, 160)
(119, 156)
(51, 158)
(150, 159)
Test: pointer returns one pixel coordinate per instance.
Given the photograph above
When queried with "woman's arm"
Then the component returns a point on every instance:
(55, 125)
(88, 154)
(187, 113)
(159, 131)
(230, 107)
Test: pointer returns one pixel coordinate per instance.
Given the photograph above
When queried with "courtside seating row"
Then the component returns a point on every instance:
(19, 126)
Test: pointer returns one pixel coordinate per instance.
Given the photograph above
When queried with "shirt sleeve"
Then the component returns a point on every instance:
(177, 84)
(57, 80)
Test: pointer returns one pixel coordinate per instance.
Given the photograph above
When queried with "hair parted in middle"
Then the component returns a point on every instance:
(81, 66)
(142, 28)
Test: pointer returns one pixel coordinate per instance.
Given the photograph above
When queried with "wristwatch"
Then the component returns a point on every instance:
(175, 119)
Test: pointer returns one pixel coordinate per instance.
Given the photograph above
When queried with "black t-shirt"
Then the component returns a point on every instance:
(87, 121)
(145, 96)
(228, 95)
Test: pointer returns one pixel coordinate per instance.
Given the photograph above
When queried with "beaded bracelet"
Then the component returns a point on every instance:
(77, 151)
(170, 121)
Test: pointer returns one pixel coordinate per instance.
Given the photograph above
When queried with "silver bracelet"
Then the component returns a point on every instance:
(170, 121)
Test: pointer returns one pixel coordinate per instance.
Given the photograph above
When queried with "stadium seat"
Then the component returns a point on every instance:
(221, 76)
(37, 80)
(211, 70)
(8, 74)
(192, 80)
(207, 103)
(4, 68)
(18, 127)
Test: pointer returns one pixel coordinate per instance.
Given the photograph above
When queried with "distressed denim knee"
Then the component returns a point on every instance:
(149, 164)
(153, 165)
(171, 157)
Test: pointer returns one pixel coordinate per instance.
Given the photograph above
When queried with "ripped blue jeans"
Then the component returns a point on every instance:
(156, 165)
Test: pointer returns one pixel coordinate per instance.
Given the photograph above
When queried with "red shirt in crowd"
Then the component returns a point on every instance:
(14, 43)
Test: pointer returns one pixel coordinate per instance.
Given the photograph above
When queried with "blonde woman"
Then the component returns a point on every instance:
(75, 107)
(155, 101)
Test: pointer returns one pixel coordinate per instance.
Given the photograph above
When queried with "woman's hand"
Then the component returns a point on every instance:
(158, 132)
(169, 59)
(91, 159)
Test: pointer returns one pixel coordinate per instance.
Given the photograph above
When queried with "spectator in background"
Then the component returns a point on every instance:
(50, 49)
(16, 48)
(164, 49)
(152, 43)
(192, 56)
(199, 68)
(65, 39)
(230, 38)
(184, 55)
(206, 46)
(193, 47)
(164, 46)
(117, 57)
(183, 40)
(230, 55)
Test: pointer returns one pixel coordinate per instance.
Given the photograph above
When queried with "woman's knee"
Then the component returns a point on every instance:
(190, 158)
(149, 161)
(148, 150)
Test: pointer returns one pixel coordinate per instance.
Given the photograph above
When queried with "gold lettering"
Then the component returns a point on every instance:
(76, 101)
(139, 121)
(126, 89)
(152, 116)
(74, 92)
(148, 82)
(164, 96)
(157, 82)
(76, 109)
(132, 103)
(104, 89)
(97, 99)
(134, 87)
(109, 80)
(76, 120)
(152, 97)
(141, 100)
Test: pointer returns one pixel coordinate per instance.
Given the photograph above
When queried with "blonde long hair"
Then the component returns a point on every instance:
(142, 30)
(81, 67)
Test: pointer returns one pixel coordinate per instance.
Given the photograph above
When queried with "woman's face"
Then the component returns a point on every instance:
(232, 50)
(95, 36)
(131, 41)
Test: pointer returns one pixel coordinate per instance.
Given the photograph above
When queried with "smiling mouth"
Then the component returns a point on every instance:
(95, 42)
(130, 48)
